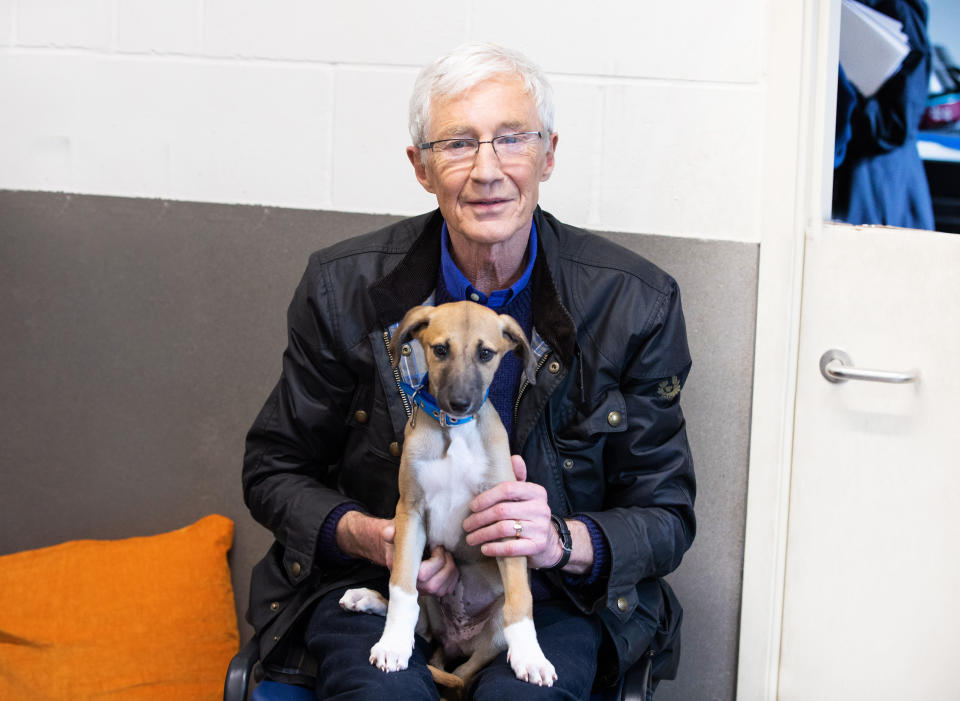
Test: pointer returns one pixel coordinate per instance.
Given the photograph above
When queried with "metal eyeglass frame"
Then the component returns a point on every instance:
(492, 142)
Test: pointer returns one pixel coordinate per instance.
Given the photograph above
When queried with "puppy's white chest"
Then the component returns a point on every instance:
(449, 483)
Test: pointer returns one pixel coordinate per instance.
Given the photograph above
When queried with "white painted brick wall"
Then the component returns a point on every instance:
(694, 154)
(304, 103)
(683, 39)
(174, 128)
(372, 32)
(370, 140)
(86, 24)
(7, 10)
(572, 191)
(169, 27)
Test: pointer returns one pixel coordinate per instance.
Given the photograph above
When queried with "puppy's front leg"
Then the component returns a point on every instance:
(523, 651)
(392, 652)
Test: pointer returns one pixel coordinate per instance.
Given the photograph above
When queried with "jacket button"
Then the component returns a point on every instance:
(622, 604)
(295, 569)
(614, 418)
(568, 464)
(275, 606)
(360, 416)
(405, 349)
(395, 449)
(554, 367)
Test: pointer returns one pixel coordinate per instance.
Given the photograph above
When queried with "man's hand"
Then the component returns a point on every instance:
(438, 575)
(492, 525)
(361, 535)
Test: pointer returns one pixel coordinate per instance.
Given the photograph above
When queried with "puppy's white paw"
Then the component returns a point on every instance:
(525, 656)
(391, 655)
(531, 665)
(364, 601)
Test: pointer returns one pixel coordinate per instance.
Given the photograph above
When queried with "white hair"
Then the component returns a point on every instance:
(467, 66)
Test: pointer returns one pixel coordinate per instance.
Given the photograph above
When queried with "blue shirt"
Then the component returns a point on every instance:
(460, 288)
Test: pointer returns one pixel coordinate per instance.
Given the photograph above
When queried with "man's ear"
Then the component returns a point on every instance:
(550, 161)
(521, 347)
(412, 323)
(420, 168)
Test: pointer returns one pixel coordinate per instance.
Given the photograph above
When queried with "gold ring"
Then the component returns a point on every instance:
(518, 528)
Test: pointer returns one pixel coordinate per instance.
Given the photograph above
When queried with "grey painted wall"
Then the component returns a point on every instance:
(139, 338)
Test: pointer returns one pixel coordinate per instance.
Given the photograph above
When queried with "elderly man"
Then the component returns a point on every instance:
(599, 439)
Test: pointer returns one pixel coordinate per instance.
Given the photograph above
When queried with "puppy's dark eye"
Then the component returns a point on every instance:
(485, 355)
(440, 350)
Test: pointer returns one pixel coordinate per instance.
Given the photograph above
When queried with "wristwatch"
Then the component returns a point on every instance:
(566, 542)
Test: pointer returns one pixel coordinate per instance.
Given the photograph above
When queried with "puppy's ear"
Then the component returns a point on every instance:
(412, 323)
(521, 347)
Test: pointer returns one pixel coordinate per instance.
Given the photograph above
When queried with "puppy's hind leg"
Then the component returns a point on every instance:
(364, 600)
(487, 646)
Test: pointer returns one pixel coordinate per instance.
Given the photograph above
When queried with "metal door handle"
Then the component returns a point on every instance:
(836, 366)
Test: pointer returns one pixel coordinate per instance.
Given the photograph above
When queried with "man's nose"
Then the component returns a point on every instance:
(486, 164)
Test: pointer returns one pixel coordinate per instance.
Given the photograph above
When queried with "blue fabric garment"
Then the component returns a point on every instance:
(341, 642)
(881, 179)
(846, 101)
(275, 691)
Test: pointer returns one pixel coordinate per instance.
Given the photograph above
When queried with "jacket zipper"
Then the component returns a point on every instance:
(525, 384)
(396, 374)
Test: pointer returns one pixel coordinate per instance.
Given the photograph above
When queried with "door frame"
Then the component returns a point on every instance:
(800, 67)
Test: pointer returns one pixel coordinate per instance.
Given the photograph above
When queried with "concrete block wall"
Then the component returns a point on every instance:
(303, 103)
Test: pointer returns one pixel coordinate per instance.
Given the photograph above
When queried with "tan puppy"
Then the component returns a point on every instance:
(447, 460)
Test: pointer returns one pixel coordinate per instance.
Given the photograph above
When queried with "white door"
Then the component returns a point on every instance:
(872, 585)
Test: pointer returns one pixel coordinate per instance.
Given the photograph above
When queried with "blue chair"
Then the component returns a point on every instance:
(244, 682)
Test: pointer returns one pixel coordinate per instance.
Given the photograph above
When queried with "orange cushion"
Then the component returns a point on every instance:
(141, 618)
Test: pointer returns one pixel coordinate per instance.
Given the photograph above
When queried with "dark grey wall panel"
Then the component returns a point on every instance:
(138, 339)
(718, 283)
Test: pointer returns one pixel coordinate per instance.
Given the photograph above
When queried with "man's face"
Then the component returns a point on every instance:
(485, 200)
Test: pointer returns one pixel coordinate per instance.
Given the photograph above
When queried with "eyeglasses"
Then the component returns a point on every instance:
(509, 146)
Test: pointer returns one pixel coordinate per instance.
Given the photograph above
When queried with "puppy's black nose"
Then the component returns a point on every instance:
(459, 406)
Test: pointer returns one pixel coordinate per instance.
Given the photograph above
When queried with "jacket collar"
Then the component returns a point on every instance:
(413, 279)
(550, 317)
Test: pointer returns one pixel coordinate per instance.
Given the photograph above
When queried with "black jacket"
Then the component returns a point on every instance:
(601, 429)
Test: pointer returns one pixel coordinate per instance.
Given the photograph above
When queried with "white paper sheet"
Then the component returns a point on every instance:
(872, 46)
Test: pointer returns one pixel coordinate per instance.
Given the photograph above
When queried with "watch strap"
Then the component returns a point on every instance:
(566, 542)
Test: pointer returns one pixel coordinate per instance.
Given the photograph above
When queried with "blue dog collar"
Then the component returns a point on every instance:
(425, 401)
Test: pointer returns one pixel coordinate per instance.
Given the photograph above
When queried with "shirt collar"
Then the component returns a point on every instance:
(459, 286)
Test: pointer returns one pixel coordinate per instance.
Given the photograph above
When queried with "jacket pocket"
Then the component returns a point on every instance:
(580, 445)
(371, 460)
